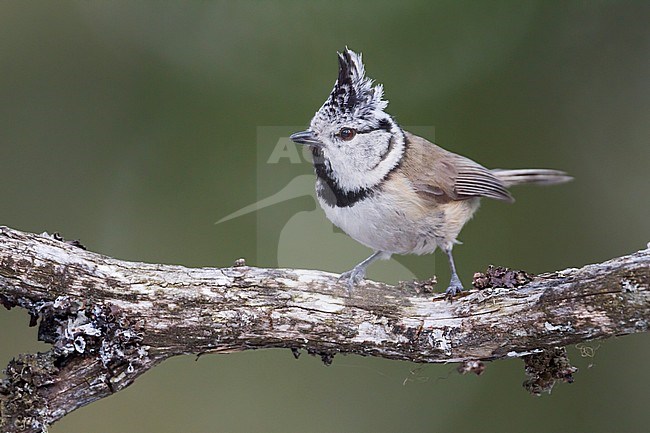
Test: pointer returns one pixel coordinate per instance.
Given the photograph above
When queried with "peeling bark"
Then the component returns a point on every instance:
(109, 321)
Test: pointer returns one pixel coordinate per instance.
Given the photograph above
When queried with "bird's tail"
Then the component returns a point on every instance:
(539, 176)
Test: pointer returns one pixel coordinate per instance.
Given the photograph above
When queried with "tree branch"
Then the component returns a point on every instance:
(110, 320)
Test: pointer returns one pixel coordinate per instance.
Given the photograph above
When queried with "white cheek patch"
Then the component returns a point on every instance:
(355, 167)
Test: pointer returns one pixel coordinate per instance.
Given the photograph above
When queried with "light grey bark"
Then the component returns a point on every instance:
(110, 320)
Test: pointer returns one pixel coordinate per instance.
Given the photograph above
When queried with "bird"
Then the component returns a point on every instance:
(389, 189)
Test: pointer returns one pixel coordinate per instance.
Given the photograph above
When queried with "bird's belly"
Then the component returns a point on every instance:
(379, 224)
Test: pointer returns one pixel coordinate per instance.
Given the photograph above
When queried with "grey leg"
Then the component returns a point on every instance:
(455, 286)
(356, 274)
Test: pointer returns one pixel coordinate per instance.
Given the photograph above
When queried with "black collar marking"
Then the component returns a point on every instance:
(331, 192)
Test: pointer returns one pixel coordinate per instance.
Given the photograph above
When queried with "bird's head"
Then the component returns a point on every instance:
(351, 135)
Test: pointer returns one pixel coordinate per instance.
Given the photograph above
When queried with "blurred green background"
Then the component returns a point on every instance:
(135, 126)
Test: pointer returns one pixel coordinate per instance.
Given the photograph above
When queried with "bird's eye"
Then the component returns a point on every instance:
(347, 134)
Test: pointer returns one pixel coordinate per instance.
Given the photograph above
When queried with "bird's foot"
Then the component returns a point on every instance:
(455, 287)
(352, 277)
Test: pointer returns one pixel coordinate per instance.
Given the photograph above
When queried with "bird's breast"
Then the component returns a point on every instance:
(395, 219)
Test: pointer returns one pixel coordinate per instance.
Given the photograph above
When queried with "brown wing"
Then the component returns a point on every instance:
(442, 175)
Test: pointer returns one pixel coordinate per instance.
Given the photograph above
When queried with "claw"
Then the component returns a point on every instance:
(453, 291)
(356, 274)
(455, 287)
(352, 277)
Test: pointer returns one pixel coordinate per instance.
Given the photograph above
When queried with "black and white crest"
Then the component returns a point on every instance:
(354, 97)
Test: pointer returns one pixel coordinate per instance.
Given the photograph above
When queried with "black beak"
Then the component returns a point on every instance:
(307, 138)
